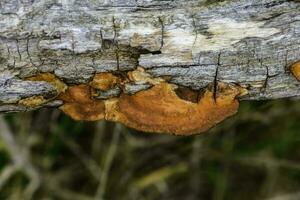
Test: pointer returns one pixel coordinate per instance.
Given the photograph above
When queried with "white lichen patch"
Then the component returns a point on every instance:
(223, 34)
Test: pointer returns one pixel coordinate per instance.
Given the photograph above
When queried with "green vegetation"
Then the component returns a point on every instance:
(251, 156)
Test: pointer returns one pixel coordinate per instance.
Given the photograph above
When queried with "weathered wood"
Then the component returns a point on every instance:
(194, 43)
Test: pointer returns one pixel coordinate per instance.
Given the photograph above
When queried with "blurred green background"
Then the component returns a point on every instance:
(253, 155)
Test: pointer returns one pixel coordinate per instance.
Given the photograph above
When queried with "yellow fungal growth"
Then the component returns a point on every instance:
(139, 75)
(32, 101)
(295, 69)
(79, 105)
(104, 81)
(160, 110)
(36, 101)
(51, 79)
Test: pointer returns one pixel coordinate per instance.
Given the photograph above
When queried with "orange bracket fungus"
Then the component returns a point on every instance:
(295, 69)
(159, 109)
(79, 105)
(163, 108)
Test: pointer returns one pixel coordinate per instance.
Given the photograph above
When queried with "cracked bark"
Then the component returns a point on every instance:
(194, 43)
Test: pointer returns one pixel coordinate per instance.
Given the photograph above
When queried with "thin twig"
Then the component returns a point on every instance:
(100, 193)
(57, 190)
(98, 138)
(89, 163)
(7, 173)
(20, 158)
(290, 196)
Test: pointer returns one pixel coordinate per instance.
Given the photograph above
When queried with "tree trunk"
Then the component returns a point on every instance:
(191, 44)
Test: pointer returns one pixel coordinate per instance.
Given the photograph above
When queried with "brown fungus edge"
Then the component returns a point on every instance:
(295, 69)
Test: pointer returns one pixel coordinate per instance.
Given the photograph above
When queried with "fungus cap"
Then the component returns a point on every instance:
(79, 105)
(160, 110)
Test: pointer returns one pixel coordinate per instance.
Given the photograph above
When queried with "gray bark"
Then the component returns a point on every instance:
(194, 42)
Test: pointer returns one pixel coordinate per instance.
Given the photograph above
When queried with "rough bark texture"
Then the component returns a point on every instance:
(190, 43)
